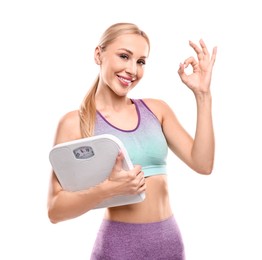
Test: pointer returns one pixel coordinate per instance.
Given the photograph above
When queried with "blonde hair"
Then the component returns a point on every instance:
(87, 110)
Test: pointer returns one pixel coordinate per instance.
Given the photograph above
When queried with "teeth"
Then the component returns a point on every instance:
(126, 80)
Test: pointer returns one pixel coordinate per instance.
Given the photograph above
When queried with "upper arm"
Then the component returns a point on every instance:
(68, 129)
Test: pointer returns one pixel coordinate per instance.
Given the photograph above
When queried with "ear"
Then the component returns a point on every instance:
(97, 55)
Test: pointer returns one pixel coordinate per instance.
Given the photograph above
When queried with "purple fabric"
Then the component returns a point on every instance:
(146, 241)
(146, 144)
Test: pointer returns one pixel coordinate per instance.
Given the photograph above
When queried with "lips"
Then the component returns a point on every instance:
(125, 81)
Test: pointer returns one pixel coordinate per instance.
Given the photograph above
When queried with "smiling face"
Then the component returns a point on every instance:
(122, 63)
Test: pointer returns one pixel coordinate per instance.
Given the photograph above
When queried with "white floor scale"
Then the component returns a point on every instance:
(86, 162)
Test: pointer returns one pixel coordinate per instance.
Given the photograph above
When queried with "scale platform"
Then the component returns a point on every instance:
(84, 163)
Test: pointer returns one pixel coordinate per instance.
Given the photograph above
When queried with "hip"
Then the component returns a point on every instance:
(129, 241)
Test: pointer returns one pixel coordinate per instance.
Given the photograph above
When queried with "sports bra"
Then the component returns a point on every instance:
(145, 144)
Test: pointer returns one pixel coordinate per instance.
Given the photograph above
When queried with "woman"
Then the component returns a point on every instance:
(148, 127)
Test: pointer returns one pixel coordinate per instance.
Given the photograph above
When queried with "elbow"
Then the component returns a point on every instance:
(52, 217)
(53, 221)
(55, 213)
(206, 169)
(202, 163)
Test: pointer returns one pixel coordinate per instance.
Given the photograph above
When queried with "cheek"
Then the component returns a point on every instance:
(140, 72)
(104, 74)
(107, 69)
(113, 66)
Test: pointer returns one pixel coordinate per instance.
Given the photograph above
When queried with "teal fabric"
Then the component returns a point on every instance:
(145, 144)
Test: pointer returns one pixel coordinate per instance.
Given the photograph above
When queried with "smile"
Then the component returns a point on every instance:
(125, 80)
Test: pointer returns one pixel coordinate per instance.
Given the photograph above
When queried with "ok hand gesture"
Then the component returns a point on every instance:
(199, 80)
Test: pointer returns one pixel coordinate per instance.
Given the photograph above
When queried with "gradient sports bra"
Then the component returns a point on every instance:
(146, 144)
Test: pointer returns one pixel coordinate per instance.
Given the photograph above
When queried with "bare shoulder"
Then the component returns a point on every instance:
(68, 128)
(158, 106)
(70, 119)
(155, 103)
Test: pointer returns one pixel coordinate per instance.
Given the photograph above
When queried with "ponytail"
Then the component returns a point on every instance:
(87, 112)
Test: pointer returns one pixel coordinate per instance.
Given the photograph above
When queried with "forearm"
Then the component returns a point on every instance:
(68, 205)
(204, 142)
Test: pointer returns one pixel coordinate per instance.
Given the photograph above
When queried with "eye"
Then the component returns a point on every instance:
(141, 62)
(124, 56)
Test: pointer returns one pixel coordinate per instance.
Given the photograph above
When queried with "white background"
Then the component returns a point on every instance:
(46, 67)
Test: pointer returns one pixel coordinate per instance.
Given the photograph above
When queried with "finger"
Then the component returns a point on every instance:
(190, 61)
(142, 177)
(142, 184)
(181, 72)
(195, 47)
(142, 181)
(199, 51)
(213, 57)
(137, 169)
(183, 66)
(181, 69)
(203, 46)
(142, 187)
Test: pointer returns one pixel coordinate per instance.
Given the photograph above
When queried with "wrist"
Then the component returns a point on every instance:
(106, 188)
(203, 96)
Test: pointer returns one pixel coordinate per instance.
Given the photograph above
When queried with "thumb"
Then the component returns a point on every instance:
(181, 70)
(119, 161)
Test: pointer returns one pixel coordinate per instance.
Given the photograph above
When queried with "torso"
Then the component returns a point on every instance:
(156, 205)
(154, 208)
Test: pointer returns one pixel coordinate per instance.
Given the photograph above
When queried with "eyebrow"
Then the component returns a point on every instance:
(130, 52)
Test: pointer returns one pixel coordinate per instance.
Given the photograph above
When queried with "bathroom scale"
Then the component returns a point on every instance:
(86, 162)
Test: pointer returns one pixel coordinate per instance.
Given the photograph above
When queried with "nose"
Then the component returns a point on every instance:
(131, 68)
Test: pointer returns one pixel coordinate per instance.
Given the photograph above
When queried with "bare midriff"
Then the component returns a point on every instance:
(155, 207)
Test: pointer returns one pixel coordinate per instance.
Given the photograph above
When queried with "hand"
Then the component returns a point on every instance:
(199, 80)
(126, 182)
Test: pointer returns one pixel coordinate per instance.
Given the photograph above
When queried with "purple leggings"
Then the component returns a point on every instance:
(131, 241)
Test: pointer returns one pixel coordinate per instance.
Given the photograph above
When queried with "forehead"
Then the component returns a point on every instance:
(135, 43)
